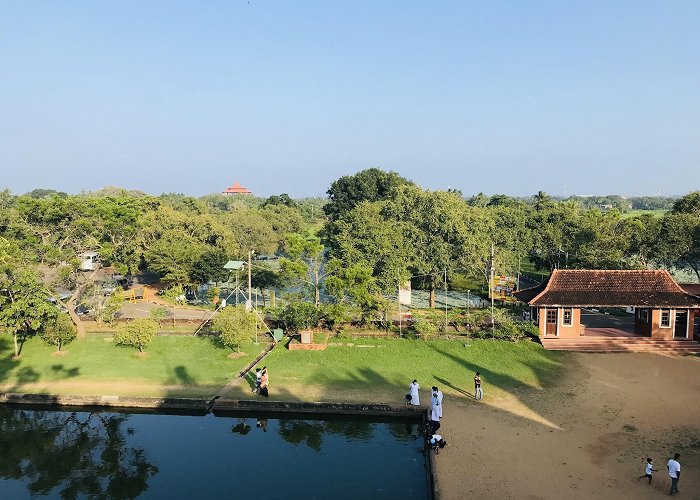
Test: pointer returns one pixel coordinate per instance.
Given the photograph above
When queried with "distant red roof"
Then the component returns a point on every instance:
(237, 189)
(605, 288)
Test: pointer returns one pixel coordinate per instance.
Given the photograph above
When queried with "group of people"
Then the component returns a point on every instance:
(674, 471)
(434, 439)
(262, 381)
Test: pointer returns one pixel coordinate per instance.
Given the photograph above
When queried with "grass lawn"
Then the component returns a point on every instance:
(93, 365)
(635, 213)
(381, 369)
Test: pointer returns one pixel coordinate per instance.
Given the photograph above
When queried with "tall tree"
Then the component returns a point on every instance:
(24, 304)
(372, 184)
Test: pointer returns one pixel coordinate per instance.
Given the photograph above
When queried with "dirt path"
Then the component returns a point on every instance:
(586, 438)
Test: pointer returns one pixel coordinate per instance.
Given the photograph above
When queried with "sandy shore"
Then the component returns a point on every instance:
(588, 437)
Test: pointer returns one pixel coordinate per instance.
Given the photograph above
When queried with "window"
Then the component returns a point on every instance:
(568, 317)
(551, 316)
(665, 318)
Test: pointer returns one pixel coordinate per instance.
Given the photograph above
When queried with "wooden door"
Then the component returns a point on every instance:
(551, 322)
(680, 327)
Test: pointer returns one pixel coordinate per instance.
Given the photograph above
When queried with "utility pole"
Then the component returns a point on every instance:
(493, 326)
(468, 300)
(399, 301)
(249, 302)
(445, 300)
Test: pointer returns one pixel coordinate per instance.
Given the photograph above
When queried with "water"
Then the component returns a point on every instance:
(60, 454)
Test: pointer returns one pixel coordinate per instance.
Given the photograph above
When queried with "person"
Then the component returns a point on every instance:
(413, 391)
(674, 470)
(264, 381)
(262, 424)
(436, 404)
(258, 377)
(437, 443)
(478, 393)
(648, 470)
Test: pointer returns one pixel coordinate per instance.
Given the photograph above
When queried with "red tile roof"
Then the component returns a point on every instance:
(237, 189)
(604, 288)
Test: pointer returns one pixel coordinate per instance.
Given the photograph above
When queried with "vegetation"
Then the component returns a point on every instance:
(137, 333)
(381, 369)
(177, 365)
(236, 327)
(59, 331)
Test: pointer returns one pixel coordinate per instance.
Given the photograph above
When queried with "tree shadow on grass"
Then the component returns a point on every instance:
(64, 372)
(506, 383)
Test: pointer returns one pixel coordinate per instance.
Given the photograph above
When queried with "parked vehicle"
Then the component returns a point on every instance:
(90, 261)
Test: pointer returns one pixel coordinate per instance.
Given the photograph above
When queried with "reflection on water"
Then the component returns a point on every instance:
(72, 454)
(109, 455)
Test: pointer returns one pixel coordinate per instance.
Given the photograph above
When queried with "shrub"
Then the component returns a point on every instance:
(59, 331)
(298, 316)
(137, 333)
(335, 314)
(236, 326)
(424, 328)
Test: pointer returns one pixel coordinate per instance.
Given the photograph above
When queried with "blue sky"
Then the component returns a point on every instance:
(589, 97)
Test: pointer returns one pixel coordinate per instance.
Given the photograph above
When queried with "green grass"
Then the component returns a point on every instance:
(635, 213)
(387, 366)
(187, 365)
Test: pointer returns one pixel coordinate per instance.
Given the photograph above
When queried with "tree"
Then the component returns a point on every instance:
(372, 184)
(236, 326)
(263, 278)
(304, 263)
(138, 333)
(58, 331)
(689, 204)
(210, 267)
(679, 241)
(24, 304)
(282, 199)
(158, 314)
(298, 316)
(112, 306)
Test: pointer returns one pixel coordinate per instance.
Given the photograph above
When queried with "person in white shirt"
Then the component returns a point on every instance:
(648, 470)
(437, 442)
(674, 470)
(413, 391)
(436, 403)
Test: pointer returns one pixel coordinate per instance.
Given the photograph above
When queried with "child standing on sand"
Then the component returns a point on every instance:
(648, 470)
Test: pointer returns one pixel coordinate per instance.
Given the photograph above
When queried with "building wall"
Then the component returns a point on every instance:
(563, 331)
(653, 327)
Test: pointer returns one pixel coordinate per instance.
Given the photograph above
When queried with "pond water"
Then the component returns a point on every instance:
(60, 454)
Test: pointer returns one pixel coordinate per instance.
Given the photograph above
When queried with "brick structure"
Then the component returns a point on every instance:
(663, 309)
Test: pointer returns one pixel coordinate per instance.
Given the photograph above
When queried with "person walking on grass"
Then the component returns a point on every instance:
(674, 470)
(413, 392)
(478, 393)
(264, 381)
(648, 470)
(258, 378)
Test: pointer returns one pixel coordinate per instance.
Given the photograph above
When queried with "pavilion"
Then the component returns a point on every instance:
(237, 189)
(663, 310)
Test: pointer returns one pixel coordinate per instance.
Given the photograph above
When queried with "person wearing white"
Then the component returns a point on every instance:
(435, 404)
(413, 391)
(439, 401)
(434, 414)
(674, 470)
(436, 442)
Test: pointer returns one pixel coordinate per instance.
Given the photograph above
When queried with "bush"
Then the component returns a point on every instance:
(424, 328)
(236, 326)
(59, 331)
(298, 316)
(335, 315)
(137, 333)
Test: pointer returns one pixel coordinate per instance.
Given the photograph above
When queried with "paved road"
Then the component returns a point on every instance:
(143, 310)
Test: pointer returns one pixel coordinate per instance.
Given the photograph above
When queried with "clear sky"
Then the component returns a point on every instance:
(588, 97)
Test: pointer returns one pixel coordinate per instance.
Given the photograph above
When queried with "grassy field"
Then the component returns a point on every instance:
(635, 213)
(93, 365)
(381, 369)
